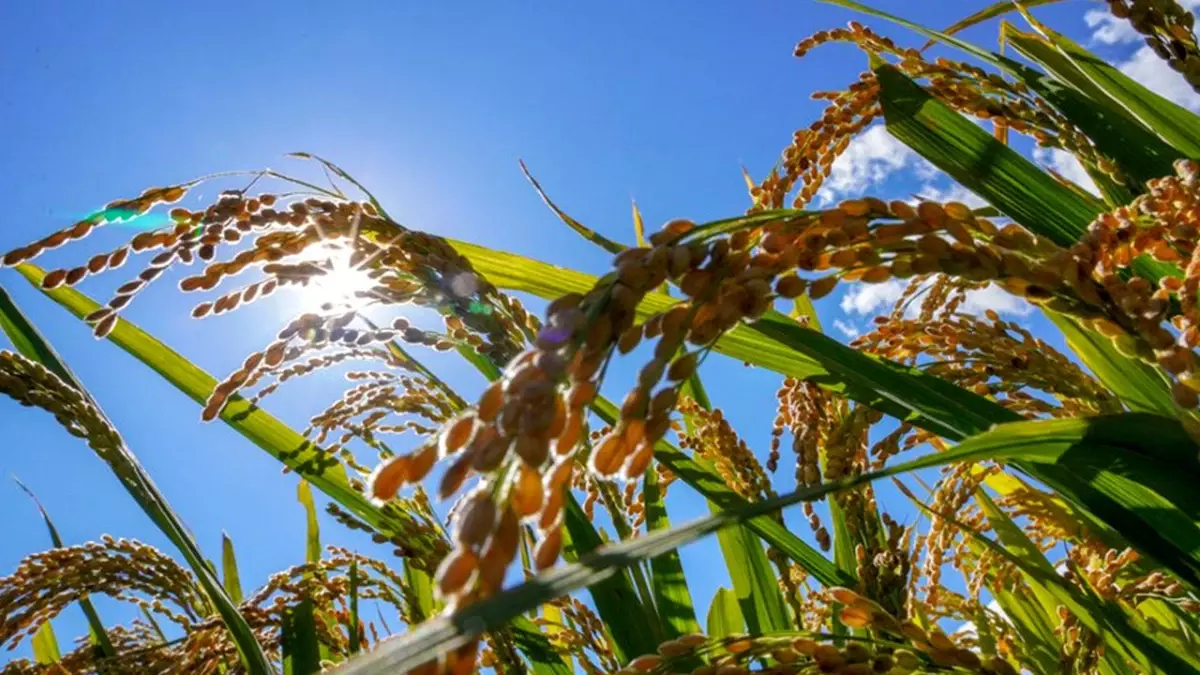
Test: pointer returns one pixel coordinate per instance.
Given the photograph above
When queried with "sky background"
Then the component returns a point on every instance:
(430, 105)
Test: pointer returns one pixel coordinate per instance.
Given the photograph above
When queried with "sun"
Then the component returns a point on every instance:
(344, 285)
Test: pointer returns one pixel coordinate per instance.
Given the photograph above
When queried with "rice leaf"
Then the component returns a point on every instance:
(987, 13)
(139, 485)
(671, 593)
(583, 230)
(1139, 386)
(1121, 631)
(543, 656)
(1048, 443)
(1117, 132)
(725, 615)
(229, 569)
(982, 164)
(96, 631)
(45, 645)
(639, 226)
(1175, 124)
(778, 343)
(312, 538)
(354, 635)
(632, 630)
(299, 643)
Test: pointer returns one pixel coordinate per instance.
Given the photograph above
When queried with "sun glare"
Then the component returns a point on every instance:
(343, 285)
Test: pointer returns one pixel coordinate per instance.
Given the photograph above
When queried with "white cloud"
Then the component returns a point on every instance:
(874, 299)
(850, 330)
(1152, 72)
(995, 298)
(869, 298)
(868, 161)
(1108, 29)
(1067, 166)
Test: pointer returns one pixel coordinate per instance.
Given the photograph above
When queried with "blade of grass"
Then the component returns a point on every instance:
(45, 645)
(671, 593)
(1140, 387)
(229, 569)
(584, 231)
(614, 596)
(987, 13)
(908, 394)
(977, 161)
(96, 630)
(299, 642)
(1175, 124)
(778, 343)
(139, 485)
(1018, 543)
(354, 634)
(725, 615)
(639, 226)
(312, 537)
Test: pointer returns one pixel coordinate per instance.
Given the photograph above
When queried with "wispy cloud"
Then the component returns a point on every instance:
(848, 329)
(870, 159)
(865, 299)
(874, 299)
(1065, 164)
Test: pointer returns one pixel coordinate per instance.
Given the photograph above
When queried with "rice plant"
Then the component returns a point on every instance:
(1065, 500)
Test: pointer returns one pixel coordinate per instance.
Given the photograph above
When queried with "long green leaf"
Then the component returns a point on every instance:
(354, 636)
(1021, 546)
(96, 630)
(1116, 131)
(1177, 125)
(299, 643)
(1139, 386)
(725, 615)
(312, 536)
(986, 14)
(45, 645)
(229, 570)
(671, 593)
(1048, 443)
(778, 343)
(139, 486)
(613, 595)
(979, 162)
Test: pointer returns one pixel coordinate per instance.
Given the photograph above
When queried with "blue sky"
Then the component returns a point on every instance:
(430, 105)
